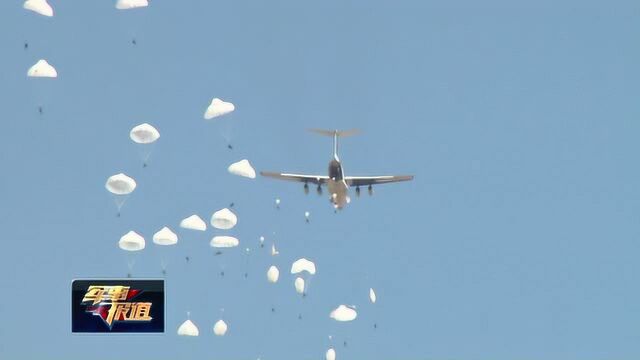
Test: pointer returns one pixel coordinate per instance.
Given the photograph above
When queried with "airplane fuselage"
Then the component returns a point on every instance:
(336, 183)
(337, 186)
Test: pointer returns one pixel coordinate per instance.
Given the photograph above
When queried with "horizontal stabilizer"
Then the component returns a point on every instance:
(340, 133)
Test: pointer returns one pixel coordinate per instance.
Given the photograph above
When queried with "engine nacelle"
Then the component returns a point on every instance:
(358, 191)
(319, 189)
(306, 188)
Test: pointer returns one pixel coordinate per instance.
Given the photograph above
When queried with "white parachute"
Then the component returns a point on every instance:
(343, 313)
(273, 274)
(303, 264)
(224, 242)
(131, 241)
(120, 184)
(330, 355)
(220, 328)
(242, 168)
(372, 295)
(218, 108)
(39, 6)
(193, 222)
(165, 237)
(274, 252)
(42, 69)
(188, 328)
(131, 4)
(144, 134)
(224, 219)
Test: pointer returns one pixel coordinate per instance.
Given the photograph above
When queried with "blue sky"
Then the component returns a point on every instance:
(518, 237)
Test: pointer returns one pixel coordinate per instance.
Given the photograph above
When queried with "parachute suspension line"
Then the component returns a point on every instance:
(221, 268)
(120, 200)
(163, 266)
(246, 263)
(145, 153)
(131, 261)
(226, 131)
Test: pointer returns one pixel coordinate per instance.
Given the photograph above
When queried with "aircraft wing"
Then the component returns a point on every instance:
(313, 179)
(373, 180)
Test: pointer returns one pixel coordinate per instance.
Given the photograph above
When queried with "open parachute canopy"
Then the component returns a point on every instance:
(188, 328)
(42, 69)
(330, 355)
(218, 108)
(120, 184)
(193, 222)
(165, 237)
(224, 242)
(273, 274)
(303, 264)
(39, 6)
(372, 295)
(144, 134)
(343, 313)
(224, 219)
(131, 4)
(220, 328)
(131, 241)
(242, 168)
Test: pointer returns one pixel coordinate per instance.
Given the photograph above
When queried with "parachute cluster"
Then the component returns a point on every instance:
(121, 186)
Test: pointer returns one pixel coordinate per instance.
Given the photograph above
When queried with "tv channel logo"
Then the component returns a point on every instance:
(117, 306)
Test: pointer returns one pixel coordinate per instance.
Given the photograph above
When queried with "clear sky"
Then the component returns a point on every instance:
(518, 238)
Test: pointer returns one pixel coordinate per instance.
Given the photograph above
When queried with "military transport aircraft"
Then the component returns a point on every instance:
(337, 184)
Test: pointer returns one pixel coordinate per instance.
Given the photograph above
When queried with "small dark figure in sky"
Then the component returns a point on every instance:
(164, 272)
(133, 41)
(26, 45)
(231, 205)
(222, 273)
(230, 147)
(40, 110)
(187, 258)
(129, 275)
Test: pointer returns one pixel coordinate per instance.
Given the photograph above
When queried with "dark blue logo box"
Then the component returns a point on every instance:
(117, 306)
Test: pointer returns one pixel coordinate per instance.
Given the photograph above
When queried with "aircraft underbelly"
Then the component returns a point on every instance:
(338, 192)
